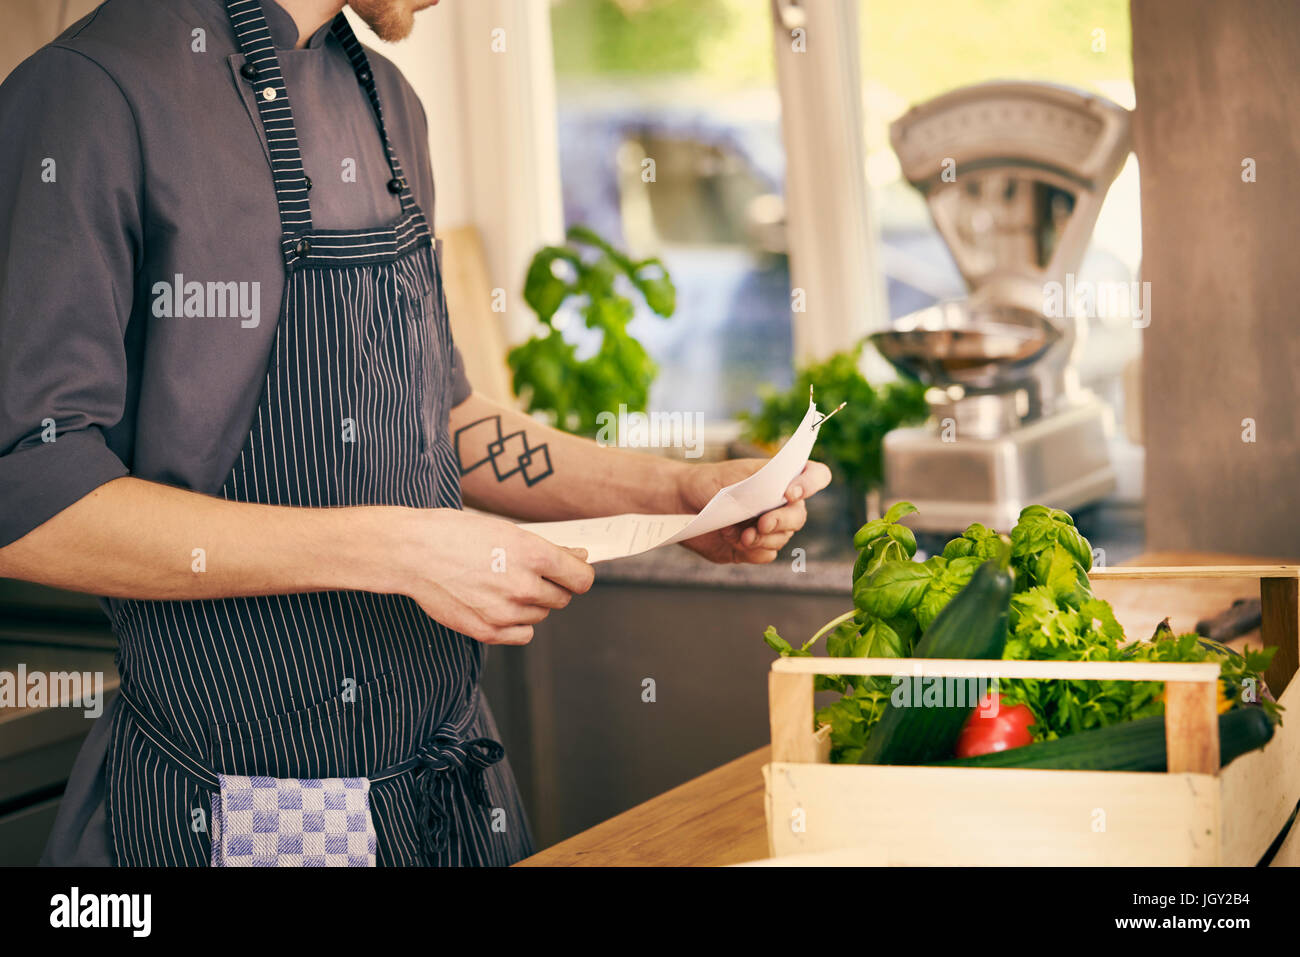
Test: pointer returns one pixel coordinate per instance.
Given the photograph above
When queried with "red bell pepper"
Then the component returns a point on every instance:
(994, 726)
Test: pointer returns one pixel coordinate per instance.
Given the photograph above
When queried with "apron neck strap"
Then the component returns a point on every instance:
(262, 70)
(342, 31)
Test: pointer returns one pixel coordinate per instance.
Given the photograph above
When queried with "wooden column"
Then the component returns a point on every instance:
(1279, 625)
(1218, 85)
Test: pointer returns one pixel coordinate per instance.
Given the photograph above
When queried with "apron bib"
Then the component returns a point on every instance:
(336, 684)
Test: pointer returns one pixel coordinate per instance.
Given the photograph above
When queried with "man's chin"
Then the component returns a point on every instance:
(391, 20)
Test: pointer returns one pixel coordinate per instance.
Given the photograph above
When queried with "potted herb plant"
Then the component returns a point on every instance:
(851, 442)
(547, 373)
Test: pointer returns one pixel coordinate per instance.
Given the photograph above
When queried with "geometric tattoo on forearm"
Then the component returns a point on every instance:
(481, 442)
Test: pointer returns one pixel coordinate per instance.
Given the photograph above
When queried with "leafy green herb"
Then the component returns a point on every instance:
(547, 373)
(892, 589)
(949, 578)
(1054, 616)
(850, 442)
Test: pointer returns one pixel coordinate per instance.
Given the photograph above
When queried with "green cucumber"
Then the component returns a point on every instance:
(1132, 746)
(972, 625)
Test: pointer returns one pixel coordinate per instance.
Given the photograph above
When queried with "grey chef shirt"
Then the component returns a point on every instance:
(131, 154)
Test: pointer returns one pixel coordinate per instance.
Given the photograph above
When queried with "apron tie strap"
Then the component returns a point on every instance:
(444, 753)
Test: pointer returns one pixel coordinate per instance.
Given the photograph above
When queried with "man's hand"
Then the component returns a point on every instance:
(760, 539)
(485, 577)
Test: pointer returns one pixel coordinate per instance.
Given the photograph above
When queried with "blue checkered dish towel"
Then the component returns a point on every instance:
(288, 822)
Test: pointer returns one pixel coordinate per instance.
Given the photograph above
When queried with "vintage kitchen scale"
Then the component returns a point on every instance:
(1014, 175)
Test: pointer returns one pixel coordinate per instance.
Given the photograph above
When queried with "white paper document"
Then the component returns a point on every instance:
(618, 536)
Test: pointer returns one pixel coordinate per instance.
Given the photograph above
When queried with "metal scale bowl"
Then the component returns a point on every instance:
(1014, 175)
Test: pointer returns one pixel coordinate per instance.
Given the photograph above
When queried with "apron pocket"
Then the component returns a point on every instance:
(341, 736)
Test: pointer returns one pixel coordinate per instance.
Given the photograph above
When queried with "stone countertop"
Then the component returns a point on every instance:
(675, 566)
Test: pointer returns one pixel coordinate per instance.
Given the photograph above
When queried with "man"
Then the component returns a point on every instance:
(230, 404)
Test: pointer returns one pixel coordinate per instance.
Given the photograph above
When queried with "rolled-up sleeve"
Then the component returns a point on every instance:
(460, 387)
(70, 234)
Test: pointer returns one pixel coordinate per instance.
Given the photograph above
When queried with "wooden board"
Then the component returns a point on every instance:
(1141, 602)
(840, 857)
(790, 707)
(1260, 789)
(1195, 672)
(1279, 624)
(478, 330)
(972, 816)
(1194, 572)
(1288, 854)
(1192, 726)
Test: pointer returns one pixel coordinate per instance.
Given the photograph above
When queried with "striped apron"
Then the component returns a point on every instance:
(336, 684)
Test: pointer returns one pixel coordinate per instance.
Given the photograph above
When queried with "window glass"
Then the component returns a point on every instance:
(912, 52)
(689, 85)
(670, 145)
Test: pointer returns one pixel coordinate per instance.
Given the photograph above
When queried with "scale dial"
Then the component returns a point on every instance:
(1015, 173)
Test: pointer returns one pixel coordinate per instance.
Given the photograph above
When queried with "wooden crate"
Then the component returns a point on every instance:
(1196, 813)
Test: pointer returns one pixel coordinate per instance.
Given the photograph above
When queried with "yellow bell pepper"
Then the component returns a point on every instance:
(1225, 700)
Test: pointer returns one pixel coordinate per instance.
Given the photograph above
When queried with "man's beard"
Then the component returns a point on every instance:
(391, 20)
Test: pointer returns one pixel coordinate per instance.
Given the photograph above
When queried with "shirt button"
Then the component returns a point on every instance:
(248, 71)
(269, 93)
(303, 247)
(363, 76)
(395, 185)
(308, 179)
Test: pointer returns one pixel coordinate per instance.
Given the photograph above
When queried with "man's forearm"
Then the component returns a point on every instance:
(135, 539)
(511, 464)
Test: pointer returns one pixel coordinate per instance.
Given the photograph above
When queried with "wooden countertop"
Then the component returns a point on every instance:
(710, 821)
(718, 818)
